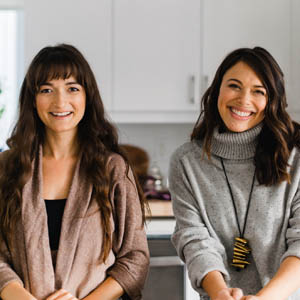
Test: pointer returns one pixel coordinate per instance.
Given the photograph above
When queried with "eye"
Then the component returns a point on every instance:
(233, 86)
(73, 89)
(45, 90)
(259, 92)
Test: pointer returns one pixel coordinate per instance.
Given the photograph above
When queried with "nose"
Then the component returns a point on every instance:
(245, 97)
(60, 99)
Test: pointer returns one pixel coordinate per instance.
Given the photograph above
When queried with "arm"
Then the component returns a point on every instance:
(284, 283)
(286, 280)
(109, 289)
(202, 252)
(15, 291)
(129, 239)
(11, 286)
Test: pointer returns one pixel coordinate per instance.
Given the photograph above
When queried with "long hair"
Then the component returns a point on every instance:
(279, 133)
(97, 137)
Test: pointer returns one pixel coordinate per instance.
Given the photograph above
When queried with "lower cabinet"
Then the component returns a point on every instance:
(167, 278)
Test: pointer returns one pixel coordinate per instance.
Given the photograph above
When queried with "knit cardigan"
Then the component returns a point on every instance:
(206, 224)
(78, 269)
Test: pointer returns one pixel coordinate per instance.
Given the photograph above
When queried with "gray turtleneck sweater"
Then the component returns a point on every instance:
(206, 224)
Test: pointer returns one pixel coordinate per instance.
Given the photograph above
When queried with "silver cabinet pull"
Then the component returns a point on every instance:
(164, 261)
(192, 89)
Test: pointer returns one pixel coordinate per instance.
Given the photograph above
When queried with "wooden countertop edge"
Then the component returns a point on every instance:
(160, 208)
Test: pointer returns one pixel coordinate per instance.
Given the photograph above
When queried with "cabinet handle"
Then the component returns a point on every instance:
(192, 89)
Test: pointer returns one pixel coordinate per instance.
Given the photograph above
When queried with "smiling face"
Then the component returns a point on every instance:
(242, 98)
(60, 104)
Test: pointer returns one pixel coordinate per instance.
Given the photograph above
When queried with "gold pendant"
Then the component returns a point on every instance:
(241, 252)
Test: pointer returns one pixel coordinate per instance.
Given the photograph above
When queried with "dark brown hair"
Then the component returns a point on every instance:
(97, 137)
(279, 133)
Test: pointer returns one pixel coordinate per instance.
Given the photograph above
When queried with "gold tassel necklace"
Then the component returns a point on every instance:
(241, 249)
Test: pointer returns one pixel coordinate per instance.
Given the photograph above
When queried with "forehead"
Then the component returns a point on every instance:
(244, 73)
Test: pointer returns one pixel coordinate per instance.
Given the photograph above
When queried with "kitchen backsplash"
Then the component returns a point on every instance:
(159, 140)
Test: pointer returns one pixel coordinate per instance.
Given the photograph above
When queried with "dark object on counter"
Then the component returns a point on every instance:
(151, 184)
(151, 191)
(138, 160)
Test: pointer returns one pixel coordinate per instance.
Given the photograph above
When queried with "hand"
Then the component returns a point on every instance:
(250, 297)
(61, 295)
(230, 294)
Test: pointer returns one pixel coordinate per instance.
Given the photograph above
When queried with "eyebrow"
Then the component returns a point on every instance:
(233, 79)
(67, 83)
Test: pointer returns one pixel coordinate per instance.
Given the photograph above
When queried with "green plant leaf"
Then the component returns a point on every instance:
(2, 111)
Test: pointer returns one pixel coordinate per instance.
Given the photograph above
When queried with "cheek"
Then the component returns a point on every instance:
(40, 106)
(261, 106)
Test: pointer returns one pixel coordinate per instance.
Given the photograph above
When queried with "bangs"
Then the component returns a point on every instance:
(55, 66)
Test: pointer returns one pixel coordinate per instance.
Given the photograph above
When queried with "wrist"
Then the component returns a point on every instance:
(213, 283)
(14, 290)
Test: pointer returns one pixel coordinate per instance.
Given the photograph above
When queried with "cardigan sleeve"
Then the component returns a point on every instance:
(201, 252)
(7, 274)
(129, 240)
(293, 231)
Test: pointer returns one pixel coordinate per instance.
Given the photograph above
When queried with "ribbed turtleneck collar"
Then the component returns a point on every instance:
(235, 145)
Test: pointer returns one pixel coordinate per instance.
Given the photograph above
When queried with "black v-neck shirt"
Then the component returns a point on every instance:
(55, 210)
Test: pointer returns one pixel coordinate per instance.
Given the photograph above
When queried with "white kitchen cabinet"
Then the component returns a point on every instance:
(294, 100)
(233, 24)
(166, 52)
(84, 24)
(156, 60)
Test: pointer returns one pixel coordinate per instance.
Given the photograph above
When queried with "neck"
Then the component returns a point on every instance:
(60, 146)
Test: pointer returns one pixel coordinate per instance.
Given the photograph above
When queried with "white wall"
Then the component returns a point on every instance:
(159, 140)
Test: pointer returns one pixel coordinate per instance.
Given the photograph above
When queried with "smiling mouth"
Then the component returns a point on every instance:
(61, 114)
(243, 114)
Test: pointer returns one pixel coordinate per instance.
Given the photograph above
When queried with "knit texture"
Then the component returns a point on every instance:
(205, 219)
(78, 269)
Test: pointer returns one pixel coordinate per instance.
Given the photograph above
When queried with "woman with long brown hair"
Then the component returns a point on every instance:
(71, 213)
(236, 186)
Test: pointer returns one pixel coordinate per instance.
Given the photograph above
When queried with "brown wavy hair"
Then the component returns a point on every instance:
(279, 133)
(98, 139)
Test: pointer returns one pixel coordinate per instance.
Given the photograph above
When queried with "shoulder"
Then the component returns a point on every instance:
(116, 166)
(190, 151)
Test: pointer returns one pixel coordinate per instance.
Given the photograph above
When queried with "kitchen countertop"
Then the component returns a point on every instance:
(160, 208)
(161, 222)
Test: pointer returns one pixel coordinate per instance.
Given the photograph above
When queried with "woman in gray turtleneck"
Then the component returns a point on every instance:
(236, 186)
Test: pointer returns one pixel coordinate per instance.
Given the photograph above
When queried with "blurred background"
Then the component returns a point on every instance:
(152, 59)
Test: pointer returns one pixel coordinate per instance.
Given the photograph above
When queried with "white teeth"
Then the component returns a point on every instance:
(62, 114)
(241, 113)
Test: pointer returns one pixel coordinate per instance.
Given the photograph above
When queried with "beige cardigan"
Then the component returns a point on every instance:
(77, 265)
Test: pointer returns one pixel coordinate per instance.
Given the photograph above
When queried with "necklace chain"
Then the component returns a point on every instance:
(241, 232)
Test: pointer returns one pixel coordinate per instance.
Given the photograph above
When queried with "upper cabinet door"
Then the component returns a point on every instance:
(156, 59)
(84, 24)
(232, 24)
(294, 101)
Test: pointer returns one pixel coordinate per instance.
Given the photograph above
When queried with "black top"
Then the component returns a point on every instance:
(55, 210)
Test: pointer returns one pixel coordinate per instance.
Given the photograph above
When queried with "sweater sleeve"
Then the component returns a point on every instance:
(129, 242)
(201, 251)
(293, 231)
